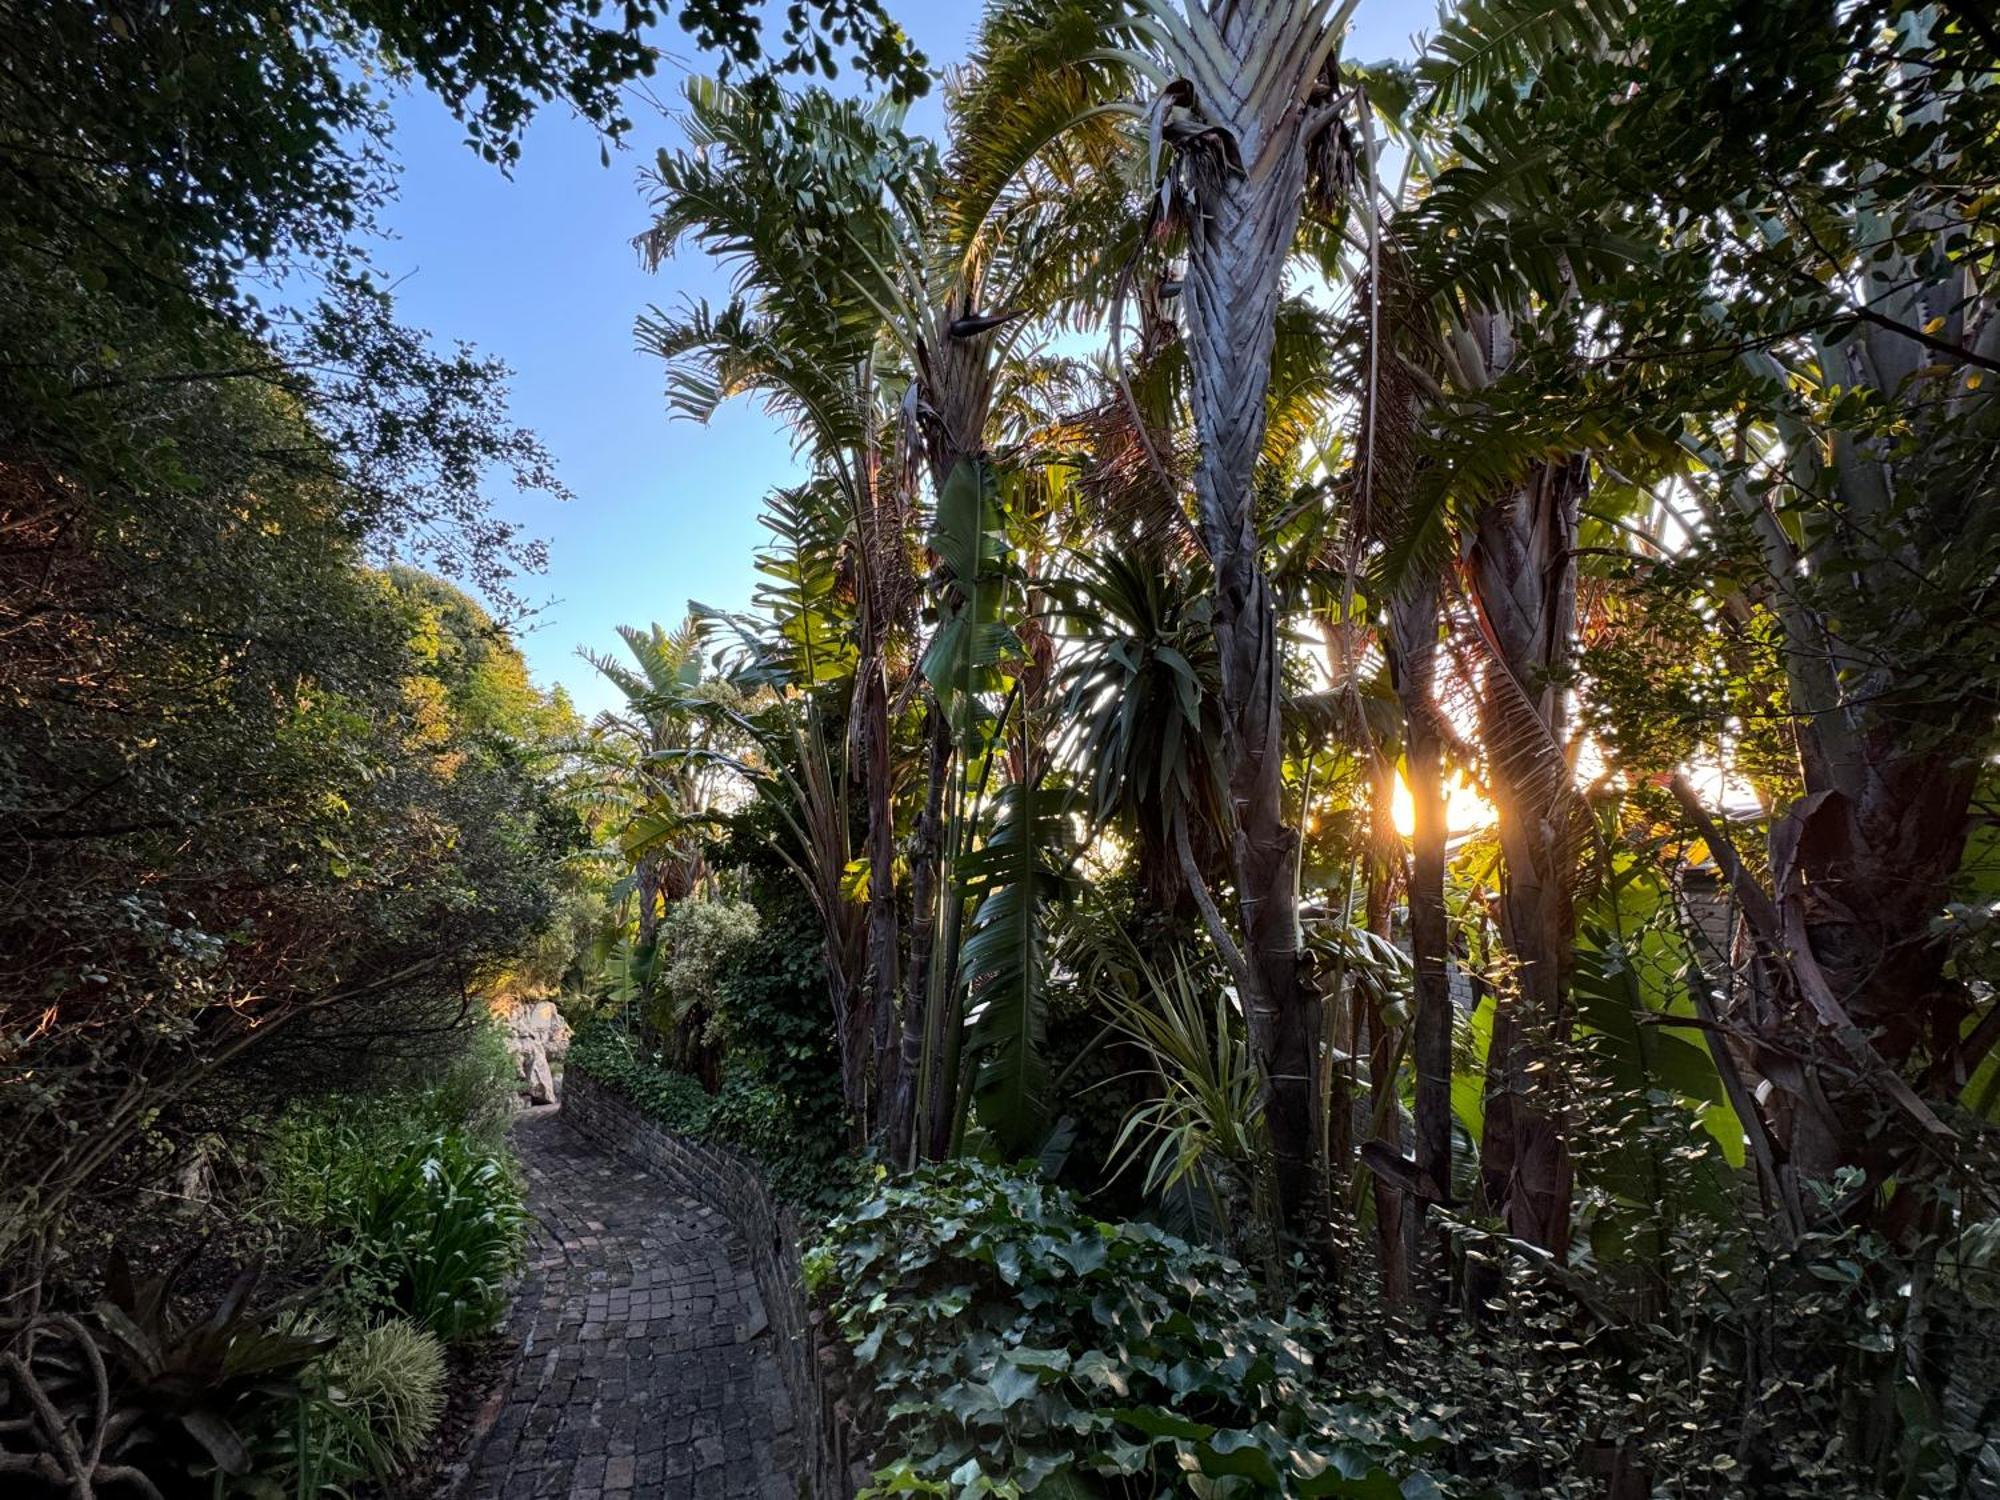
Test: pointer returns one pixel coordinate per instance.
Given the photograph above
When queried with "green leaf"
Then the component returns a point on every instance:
(1161, 1423)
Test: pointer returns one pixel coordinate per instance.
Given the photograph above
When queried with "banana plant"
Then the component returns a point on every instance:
(994, 844)
(1021, 868)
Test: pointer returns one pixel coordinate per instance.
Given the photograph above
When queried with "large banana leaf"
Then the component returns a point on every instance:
(628, 970)
(973, 643)
(1021, 870)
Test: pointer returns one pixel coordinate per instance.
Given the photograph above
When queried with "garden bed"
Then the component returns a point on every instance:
(479, 1372)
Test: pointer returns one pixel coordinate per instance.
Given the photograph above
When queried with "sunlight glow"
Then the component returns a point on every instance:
(1465, 810)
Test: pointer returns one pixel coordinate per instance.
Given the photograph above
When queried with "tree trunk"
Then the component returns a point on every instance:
(925, 858)
(1392, 1206)
(1245, 220)
(1859, 883)
(646, 882)
(1522, 569)
(867, 1047)
(946, 1024)
(1412, 643)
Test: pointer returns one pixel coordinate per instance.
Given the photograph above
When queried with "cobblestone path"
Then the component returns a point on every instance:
(645, 1370)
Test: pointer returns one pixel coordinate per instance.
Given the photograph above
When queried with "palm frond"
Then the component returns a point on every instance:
(1488, 45)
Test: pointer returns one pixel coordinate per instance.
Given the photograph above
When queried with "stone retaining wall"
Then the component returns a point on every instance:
(732, 1186)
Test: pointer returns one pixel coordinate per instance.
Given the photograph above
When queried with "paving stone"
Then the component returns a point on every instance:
(640, 1377)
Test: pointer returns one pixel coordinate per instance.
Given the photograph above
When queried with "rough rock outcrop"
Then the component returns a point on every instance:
(538, 1037)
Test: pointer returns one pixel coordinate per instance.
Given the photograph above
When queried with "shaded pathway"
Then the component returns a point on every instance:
(645, 1370)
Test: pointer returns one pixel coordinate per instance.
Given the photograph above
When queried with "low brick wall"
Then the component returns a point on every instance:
(732, 1186)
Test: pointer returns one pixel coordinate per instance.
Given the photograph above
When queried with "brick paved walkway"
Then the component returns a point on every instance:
(645, 1372)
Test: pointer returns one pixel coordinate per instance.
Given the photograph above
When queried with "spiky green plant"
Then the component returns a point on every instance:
(385, 1391)
(1205, 1129)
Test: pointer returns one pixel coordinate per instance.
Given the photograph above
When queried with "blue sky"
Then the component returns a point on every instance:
(539, 270)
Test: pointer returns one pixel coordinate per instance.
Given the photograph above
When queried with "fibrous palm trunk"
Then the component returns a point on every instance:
(866, 1046)
(956, 379)
(868, 1051)
(1249, 69)
(1385, 1041)
(1522, 571)
(646, 889)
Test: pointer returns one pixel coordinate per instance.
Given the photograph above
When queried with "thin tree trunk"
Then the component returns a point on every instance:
(925, 858)
(946, 1027)
(1384, 1107)
(1412, 656)
(646, 880)
(871, 1023)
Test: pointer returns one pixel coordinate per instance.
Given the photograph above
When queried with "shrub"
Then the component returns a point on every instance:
(439, 1228)
(696, 940)
(470, 1095)
(429, 1227)
(802, 1160)
(774, 997)
(1014, 1343)
(477, 1092)
(380, 1394)
(613, 1058)
(141, 1390)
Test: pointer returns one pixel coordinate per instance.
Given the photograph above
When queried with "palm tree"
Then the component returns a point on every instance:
(1518, 549)
(1863, 547)
(1450, 315)
(797, 196)
(651, 806)
(1250, 104)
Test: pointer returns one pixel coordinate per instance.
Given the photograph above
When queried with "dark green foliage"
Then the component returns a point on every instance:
(882, 51)
(1644, 1352)
(144, 1389)
(430, 1227)
(1101, 1078)
(775, 998)
(255, 806)
(612, 1057)
(1014, 879)
(1140, 673)
(410, 1192)
(230, 763)
(775, 992)
(803, 1161)
(197, 1374)
(240, 135)
(800, 1157)
(1008, 1336)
